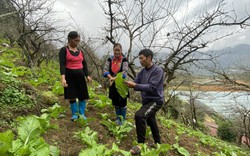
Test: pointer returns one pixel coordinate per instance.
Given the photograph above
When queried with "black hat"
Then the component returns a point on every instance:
(73, 34)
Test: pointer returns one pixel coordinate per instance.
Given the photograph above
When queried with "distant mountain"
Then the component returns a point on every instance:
(229, 58)
(233, 56)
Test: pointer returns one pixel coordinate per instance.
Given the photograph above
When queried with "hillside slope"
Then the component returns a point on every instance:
(25, 92)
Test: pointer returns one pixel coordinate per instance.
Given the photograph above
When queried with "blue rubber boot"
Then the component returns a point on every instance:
(73, 107)
(118, 113)
(82, 107)
(123, 111)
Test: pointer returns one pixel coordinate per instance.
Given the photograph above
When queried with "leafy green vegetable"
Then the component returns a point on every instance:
(28, 140)
(96, 150)
(88, 136)
(55, 111)
(29, 129)
(6, 139)
(121, 87)
(181, 150)
(160, 148)
(54, 151)
(118, 131)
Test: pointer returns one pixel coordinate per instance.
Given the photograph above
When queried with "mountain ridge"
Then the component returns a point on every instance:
(237, 55)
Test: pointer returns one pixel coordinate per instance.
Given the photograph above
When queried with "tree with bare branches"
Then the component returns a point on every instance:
(132, 20)
(157, 25)
(144, 24)
(34, 29)
(238, 82)
(244, 124)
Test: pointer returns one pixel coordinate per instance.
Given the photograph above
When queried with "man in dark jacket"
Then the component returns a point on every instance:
(150, 81)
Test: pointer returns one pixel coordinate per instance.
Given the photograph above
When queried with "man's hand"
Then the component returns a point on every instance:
(130, 84)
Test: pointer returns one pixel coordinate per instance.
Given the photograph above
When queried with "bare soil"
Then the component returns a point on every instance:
(71, 146)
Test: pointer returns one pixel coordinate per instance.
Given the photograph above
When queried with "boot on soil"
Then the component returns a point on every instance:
(73, 107)
(123, 111)
(118, 114)
(82, 107)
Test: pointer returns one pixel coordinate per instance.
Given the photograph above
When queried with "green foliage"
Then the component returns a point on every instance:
(48, 97)
(102, 150)
(104, 99)
(87, 136)
(181, 150)
(38, 81)
(104, 116)
(118, 131)
(90, 137)
(55, 111)
(28, 140)
(12, 54)
(13, 94)
(8, 57)
(167, 123)
(6, 63)
(57, 88)
(7, 77)
(121, 87)
(100, 101)
(45, 75)
(84, 122)
(225, 132)
(15, 97)
(6, 139)
(92, 93)
(172, 112)
(133, 105)
(21, 71)
(160, 148)
(224, 147)
(29, 129)
(96, 151)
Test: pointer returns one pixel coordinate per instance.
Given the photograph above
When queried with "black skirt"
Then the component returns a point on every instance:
(77, 87)
(116, 98)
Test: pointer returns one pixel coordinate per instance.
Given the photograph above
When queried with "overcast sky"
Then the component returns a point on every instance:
(89, 15)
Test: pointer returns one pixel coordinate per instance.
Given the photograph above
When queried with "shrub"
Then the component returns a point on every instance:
(225, 132)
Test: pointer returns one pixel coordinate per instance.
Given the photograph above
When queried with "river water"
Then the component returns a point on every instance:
(225, 103)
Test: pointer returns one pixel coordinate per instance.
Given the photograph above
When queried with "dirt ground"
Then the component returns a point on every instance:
(71, 146)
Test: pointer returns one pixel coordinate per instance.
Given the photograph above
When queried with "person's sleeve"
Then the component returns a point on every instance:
(137, 78)
(85, 67)
(106, 67)
(124, 68)
(62, 60)
(154, 80)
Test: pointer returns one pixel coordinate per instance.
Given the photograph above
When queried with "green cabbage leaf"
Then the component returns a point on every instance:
(120, 85)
